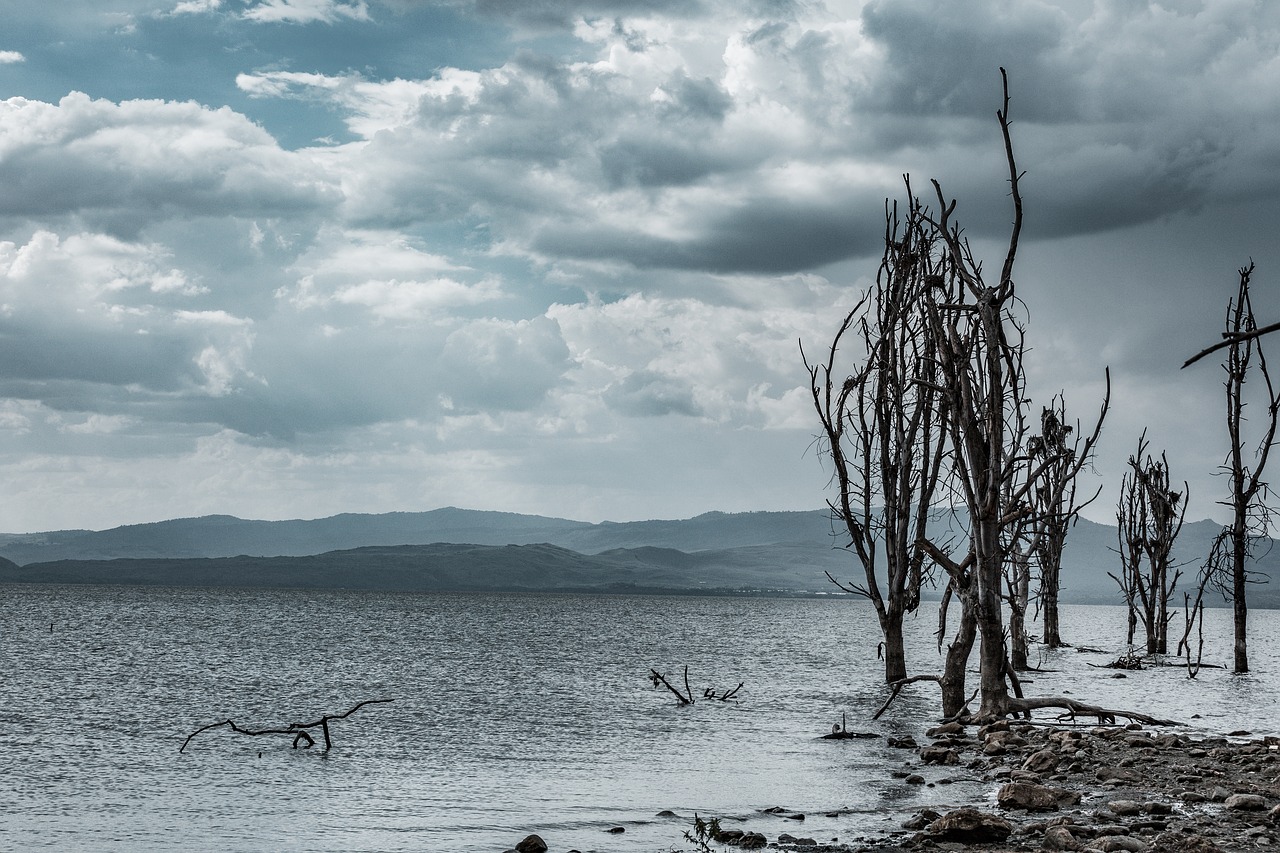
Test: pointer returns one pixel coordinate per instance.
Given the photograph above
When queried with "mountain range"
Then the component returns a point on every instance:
(459, 549)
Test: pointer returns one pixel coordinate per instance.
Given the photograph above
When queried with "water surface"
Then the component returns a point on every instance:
(513, 714)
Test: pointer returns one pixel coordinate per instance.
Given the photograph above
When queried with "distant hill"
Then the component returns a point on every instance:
(452, 567)
(783, 551)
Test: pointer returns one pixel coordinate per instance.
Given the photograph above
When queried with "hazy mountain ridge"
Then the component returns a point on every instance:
(454, 548)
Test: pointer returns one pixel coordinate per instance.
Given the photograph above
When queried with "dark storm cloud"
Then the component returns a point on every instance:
(943, 63)
(35, 355)
(656, 163)
(766, 235)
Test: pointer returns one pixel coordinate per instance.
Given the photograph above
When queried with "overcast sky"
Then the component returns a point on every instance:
(289, 258)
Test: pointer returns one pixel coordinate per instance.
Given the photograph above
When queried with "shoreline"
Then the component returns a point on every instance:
(1100, 788)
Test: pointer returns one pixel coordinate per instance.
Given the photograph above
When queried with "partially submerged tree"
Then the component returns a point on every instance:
(882, 424)
(1057, 454)
(1056, 507)
(976, 343)
(1249, 513)
(1149, 516)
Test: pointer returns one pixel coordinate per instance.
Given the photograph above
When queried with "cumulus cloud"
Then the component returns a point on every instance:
(91, 310)
(11, 57)
(307, 11)
(136, 162)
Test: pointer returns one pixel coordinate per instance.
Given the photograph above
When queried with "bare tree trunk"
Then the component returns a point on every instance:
(1049, 590)
(1239, 608)
(956, 662)
(1019, 597)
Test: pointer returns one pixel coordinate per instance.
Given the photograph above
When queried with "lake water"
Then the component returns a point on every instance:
(513, 714)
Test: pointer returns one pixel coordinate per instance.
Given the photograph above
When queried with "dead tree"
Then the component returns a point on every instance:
(980, 355)
(882, 424)
(299, 731)
(1149, 516)
(980, 349)
(1055, 504)
(1248, 491)
(1055, 457)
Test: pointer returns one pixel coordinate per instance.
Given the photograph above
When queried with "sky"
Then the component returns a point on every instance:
(290, 258)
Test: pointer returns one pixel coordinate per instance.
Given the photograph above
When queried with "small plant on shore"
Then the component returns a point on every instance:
(704, 832)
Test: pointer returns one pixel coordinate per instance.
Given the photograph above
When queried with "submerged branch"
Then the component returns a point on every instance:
(298, 730)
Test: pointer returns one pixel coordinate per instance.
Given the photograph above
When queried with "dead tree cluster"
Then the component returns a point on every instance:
(299, 731)
(928, 415)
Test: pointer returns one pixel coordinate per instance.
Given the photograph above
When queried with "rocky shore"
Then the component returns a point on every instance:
(1095, 790)
(1089, 789)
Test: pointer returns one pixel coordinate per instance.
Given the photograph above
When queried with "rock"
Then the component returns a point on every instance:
(1060, 838)
(1006, 739)
(1108, 774)
(1185, 843)
(969, 825)
(616, 830)
(1124, 808)
(1033, 797)
(920, 820)
(907, 742)
(1274, 815)
(939, 755)
(951, 728)
(752, 841)
(1245, 802)
(1111, 843)
(532, 844)
(666, 813)
(1219, 794)
(1041, 761)
(915, 779)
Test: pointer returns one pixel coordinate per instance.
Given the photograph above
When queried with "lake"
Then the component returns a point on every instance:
(513, 714)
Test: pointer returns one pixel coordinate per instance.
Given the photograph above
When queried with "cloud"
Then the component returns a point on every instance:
(195, 7)
(11, 57)
(495, 365)
(307, 11)
(128, 164)
(91, 310)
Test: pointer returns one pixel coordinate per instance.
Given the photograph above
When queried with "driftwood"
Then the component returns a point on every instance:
(840, 731)
(685, 697)
(298, 730)
(1023, 706)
